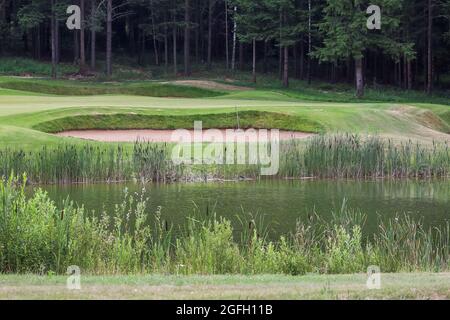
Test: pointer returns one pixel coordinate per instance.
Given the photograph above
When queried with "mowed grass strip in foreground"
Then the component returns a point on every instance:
(311, 286)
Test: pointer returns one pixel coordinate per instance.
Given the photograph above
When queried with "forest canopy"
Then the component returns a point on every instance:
(326, 40)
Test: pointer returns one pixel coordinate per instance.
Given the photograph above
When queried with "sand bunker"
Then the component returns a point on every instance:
(164, 135)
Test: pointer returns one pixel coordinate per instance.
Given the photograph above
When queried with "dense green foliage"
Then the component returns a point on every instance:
(327, 40)
(36, 236)
(30, 67)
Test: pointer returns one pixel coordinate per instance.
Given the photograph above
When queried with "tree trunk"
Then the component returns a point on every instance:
(227, 58)
(197, 35)
(280, 49)
(210, 13)
(233, 56)
(410, 75)
(396, 74)
(38, 42)
(131, 36)
(93, 33)
(58, 47)
(359, 78)
(349, 70)
(430, 49)
(166, 45)
(295, 54)
(280, 62)
(3, 10)
(109, 38)
(174, 31)
(2, 18)
(25, 40)
(241, 55)
(187, 39)
(53, 38)
(302, 59)
(155, 49)
(286, 68)
(405, 72)
(155, 46)
(82, 40)
(202, 32)
(375, 69)
(416, 70)
(386, 71)
(254, 61)
(142, 54)
(333, 72)
(76, 47)
(265, 57)
(309, 41)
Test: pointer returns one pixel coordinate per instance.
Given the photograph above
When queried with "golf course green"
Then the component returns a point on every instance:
(27, 103)
(352, 139)
(224, 150)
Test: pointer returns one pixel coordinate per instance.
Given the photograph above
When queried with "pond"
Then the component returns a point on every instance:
(280, 202)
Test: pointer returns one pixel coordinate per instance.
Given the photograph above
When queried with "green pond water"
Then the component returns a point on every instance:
(280, 202)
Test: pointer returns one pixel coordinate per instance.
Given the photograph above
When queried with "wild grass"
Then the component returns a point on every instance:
(354, 156)
(336, 156)
(123, 70)
(36, 236)
(23, 66)
(90, 163)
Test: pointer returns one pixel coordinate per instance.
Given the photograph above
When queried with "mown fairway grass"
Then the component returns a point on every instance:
(311, 286)
(74, 88)
(21, 111)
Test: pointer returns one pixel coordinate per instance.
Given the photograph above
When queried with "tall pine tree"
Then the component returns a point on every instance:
(346, 35)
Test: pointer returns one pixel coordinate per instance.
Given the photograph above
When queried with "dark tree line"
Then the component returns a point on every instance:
(305, 39)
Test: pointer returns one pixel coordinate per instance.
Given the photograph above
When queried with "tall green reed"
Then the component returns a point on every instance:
(328, 156)
(351, 156)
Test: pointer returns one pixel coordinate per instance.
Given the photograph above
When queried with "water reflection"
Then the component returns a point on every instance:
(281, 202)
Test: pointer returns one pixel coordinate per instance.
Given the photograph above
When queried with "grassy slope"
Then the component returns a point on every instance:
(21, 111)
(247, 119)
(393, 286)
(82, 88)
